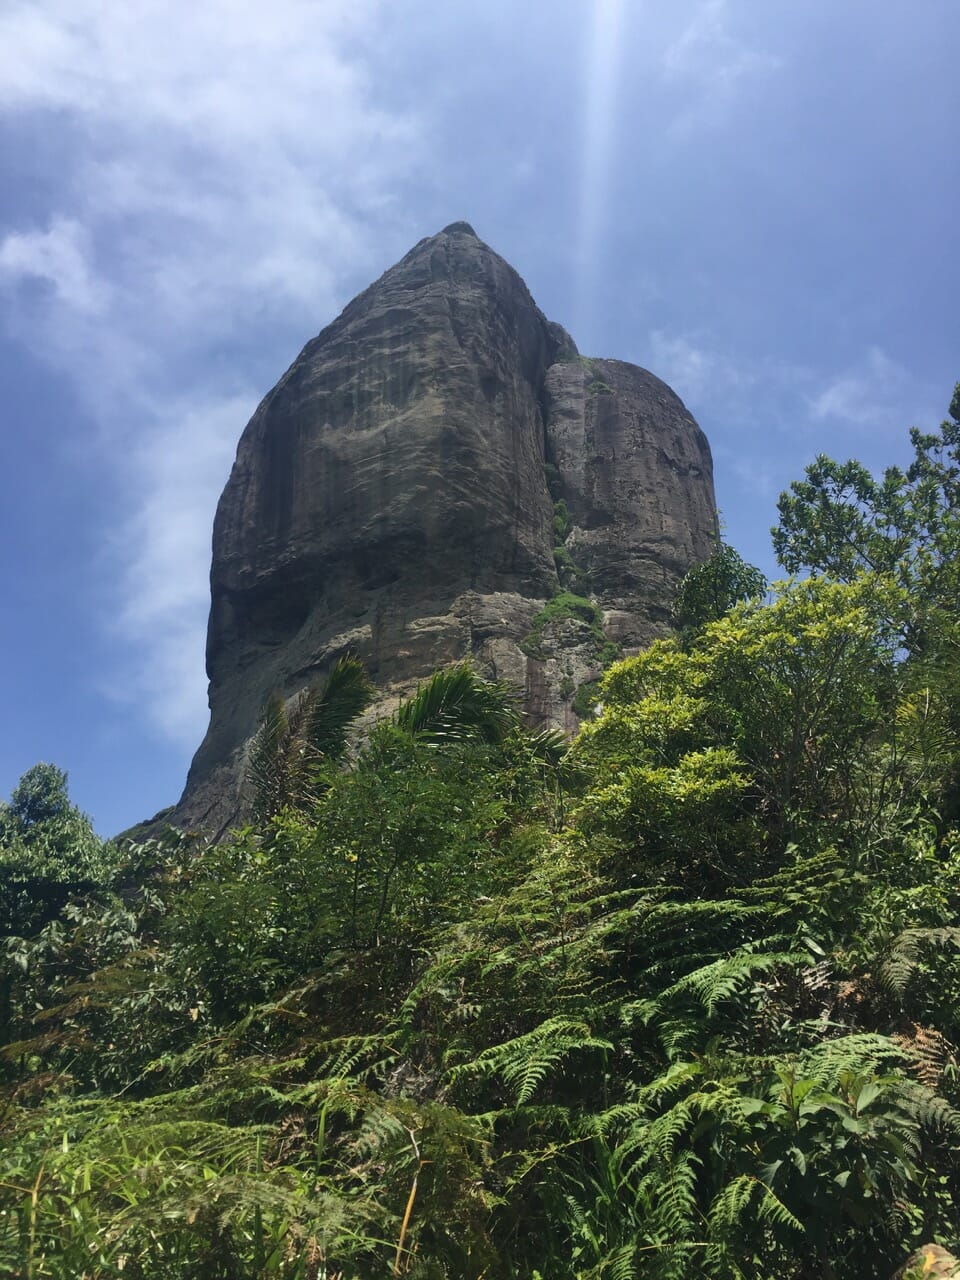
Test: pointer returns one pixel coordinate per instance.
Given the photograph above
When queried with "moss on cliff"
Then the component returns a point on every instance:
(564, 605)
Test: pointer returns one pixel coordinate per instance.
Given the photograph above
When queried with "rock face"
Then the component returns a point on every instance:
(394, 496)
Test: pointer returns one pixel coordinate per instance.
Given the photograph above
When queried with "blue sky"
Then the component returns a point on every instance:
(755, 201)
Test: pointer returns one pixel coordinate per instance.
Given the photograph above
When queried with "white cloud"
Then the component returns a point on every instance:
(695, 368)
(164, 555)
(230, 176)
(711, 64)
(875, 391)
(60, 257)
(867, 394)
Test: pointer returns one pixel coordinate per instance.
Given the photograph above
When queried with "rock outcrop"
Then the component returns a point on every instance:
(414, 485)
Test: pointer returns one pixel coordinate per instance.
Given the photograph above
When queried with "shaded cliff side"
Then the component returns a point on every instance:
(426, 476)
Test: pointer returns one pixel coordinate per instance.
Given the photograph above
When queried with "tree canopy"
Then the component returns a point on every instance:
(49, 851)
(841, 520)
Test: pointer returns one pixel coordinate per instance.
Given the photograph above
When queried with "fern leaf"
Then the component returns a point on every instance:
(901, 962)
(526, 1061)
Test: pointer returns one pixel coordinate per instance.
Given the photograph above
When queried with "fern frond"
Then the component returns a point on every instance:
(671, 1191)
(930, 1051)
(719, 981)
(526, 1061)
(900, 963)
(930, 1109)
(799, 881)
(620, 1264)
(747, 1195)
(860, 1054)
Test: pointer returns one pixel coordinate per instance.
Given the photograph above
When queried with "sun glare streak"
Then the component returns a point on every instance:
(600, 95)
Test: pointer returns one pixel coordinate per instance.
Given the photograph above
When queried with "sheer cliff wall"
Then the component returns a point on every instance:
(394, 496)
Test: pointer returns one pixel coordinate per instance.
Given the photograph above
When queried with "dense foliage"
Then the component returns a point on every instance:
(679, 999)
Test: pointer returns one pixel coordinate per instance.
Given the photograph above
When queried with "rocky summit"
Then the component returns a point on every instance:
(440, 474)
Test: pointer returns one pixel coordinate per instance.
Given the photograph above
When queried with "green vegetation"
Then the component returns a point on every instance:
(570, 601)
(842, 521)
(293, 747)
(574, 357)
(562, 606)
(564, 563)
(711, 589)
(552, 476)
(681, 998)
(597, 387)
(570, 575)
(594, 383)
(49, 852)
(587, 697)
(561, 522)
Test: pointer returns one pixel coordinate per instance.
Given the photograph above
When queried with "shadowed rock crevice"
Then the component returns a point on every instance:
(393, 496)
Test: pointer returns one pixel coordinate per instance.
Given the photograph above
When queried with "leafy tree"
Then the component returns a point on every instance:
(48, 851)
(49, 854)
(841, 520)
(755, 736)
(711, 589)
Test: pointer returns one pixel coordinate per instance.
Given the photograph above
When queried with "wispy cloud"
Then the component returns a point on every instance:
(869, 393)
(161, 556)
(695, 367)
(712, 64)
(231, 169)
(872, 391)
(59, 258)
(756, 477)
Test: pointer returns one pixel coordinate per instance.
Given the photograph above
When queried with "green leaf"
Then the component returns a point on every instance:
(869, 1093)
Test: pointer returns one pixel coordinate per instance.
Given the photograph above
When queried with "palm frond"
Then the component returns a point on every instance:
(345, 694)
(293, 740)
(458, 704)
(267, 760)
(549, 746)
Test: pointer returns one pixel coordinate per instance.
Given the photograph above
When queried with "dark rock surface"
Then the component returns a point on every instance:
(393, 496)
(636, 474)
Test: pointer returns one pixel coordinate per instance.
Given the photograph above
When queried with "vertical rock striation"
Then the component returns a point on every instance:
(393, 496)
(636, 474)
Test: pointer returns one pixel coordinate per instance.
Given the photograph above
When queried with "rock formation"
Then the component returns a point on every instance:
(414, 485)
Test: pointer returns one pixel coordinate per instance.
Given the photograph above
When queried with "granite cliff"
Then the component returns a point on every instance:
(432, 469)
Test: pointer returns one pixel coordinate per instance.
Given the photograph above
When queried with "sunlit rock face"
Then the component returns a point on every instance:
(393, 496)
